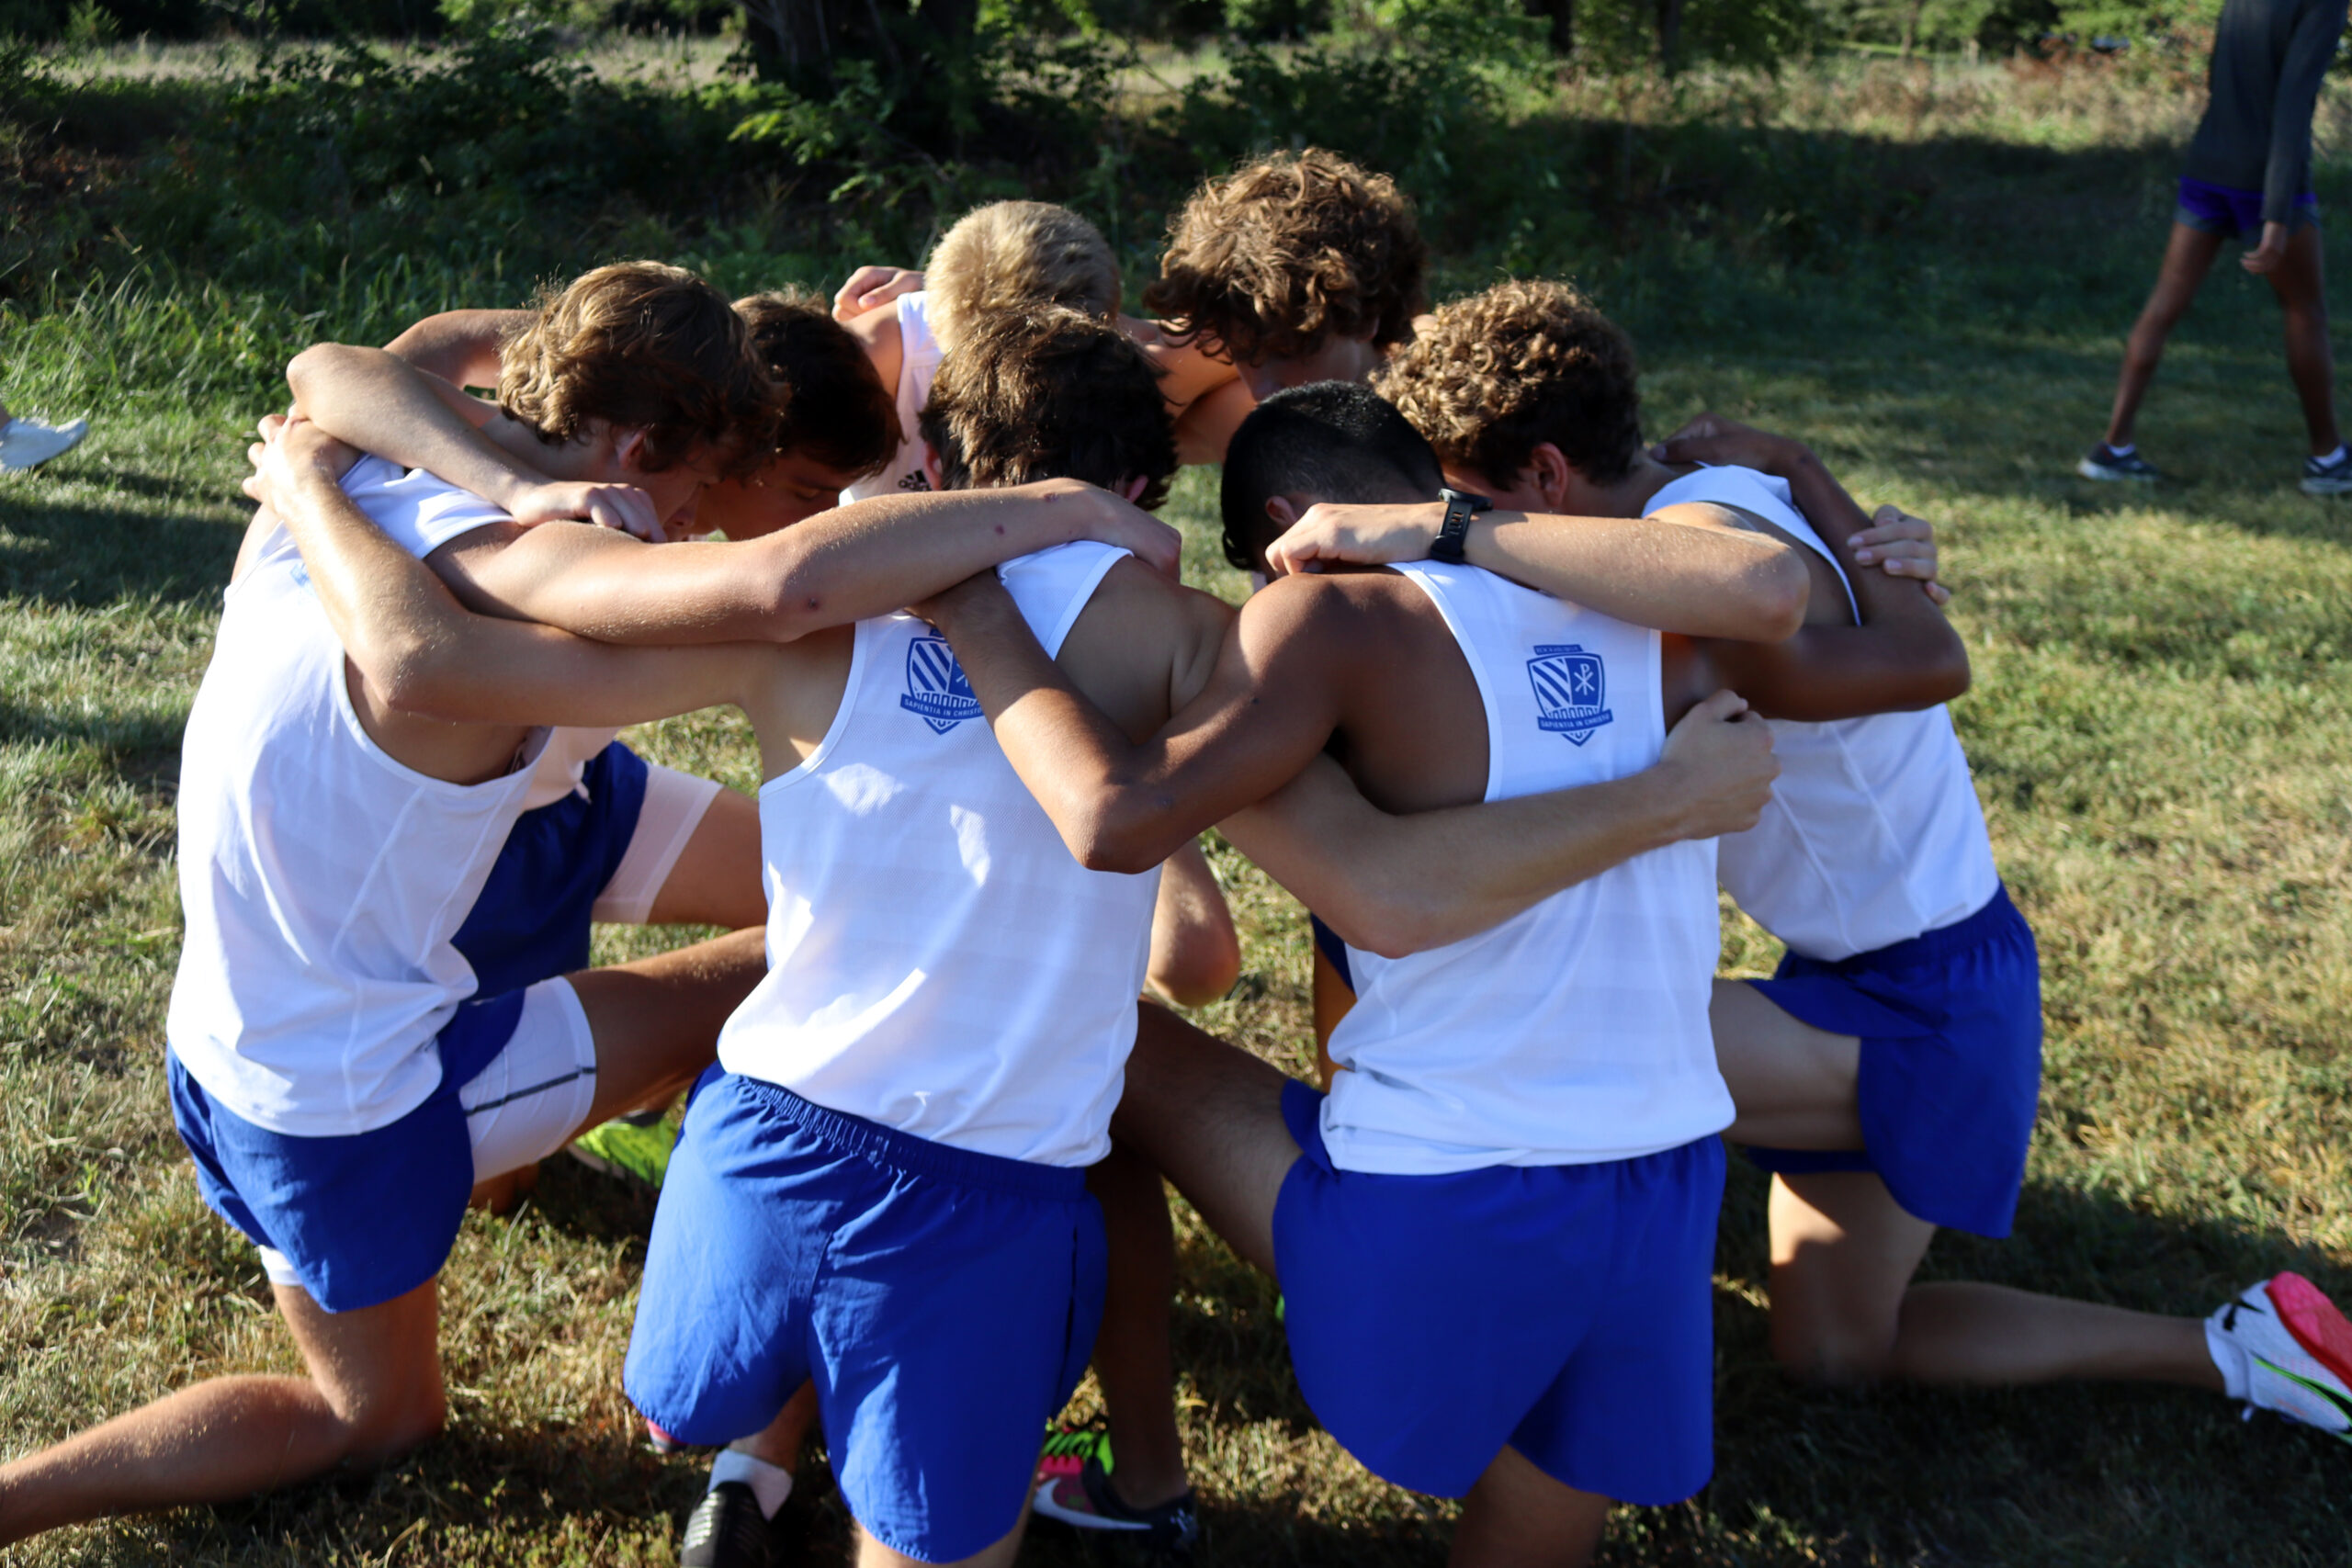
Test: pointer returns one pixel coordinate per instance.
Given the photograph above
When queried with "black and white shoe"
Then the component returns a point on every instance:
(1168, 1534)
(728, 1531)
(2104, 462)
(2323, 476)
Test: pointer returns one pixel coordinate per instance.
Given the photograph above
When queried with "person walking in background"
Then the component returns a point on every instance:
(2249, 173)
(27, 443)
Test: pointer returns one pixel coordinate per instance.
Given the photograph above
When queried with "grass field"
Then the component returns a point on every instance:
(2164, 684)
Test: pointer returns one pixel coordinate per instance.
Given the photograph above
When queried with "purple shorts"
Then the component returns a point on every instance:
(2226, 210)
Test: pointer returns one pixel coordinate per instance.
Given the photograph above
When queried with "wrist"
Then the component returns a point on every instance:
(1671, 802)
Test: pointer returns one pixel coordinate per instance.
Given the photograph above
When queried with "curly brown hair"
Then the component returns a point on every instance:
(1050, 394)
(837, 410)
(1287, 253)
(1523, 363)
(644, 344)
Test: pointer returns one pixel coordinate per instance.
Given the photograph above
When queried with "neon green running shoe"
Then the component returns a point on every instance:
(1068, 1450)
(629, 1148)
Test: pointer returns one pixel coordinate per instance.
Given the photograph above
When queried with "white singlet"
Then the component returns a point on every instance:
(1576, 1032)
(321, 879)
(937, 960)
(918, 354)
(1873, 833)
(422, 512)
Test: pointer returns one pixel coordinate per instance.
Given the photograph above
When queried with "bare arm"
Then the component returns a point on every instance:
(1264, 709)
(460, 347)
(1396, 884)
(377, 402)
(850, 564)
(1696, 570)
(1196, 956)
(1904, 655)
(422, 653)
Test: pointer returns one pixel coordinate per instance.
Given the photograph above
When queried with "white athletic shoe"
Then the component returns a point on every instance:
(25, 443)
(2297, 1351)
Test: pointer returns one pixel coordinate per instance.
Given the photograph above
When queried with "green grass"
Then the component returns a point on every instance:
(2157, 726)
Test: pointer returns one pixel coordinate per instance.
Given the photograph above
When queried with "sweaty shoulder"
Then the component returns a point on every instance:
(1143, 646)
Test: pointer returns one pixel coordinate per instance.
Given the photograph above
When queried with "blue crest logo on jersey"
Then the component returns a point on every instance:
(937, 692)
(1571, 690)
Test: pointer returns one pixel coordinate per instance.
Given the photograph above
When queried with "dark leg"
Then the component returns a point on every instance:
(1132, 1359)
(2187, 257)
(2300, 285)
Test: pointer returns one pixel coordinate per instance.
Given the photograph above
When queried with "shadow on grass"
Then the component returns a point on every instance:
(94, 557)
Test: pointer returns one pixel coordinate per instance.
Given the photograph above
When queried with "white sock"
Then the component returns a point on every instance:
(2228, 1358)
(2335, 457)
(771, 1483)
(2123, 451)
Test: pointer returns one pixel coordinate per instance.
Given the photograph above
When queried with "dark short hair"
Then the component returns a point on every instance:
(646, 345)
(838, 411)
(1333, 440)
(1049, 394)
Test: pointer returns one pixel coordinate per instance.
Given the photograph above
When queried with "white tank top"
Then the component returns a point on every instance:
(422, 512)
(1577, 1032)
(918, 354)
(1873, 833)
(322, 880)
(937, 960)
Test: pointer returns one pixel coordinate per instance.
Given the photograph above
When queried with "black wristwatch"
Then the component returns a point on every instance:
(1461, 505)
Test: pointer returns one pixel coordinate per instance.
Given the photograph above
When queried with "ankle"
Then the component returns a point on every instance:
(1143, 1487)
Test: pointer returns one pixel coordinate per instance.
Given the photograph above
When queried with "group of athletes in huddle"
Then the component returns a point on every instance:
(1514, 695)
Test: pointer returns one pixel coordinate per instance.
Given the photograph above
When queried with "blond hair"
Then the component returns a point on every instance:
(1011, 256)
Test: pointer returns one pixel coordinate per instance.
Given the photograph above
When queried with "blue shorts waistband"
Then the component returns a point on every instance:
(917, 1157)
(1929, 947)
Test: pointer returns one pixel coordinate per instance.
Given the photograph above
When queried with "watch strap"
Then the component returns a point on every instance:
(1453, 533)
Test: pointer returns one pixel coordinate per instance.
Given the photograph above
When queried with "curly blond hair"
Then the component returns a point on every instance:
(1051, 393)
(1287, 253)
(645, 345)
(1523, 363)
(1017, 256)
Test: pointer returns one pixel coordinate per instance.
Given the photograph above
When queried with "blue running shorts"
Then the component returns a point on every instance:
(1950, 1074)
(1565, 1310)
(362, 1218)
(530, 920)
(365, 1217)
(943, 1301)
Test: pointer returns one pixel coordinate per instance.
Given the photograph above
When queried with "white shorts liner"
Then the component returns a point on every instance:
(528, 1103)
(674, 804)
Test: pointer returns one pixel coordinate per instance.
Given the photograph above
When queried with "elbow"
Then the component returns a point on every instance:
(303, 371)
(1780, 598)
(1952, 677)
(1397, 925)
(1106, 838)
(414, 676)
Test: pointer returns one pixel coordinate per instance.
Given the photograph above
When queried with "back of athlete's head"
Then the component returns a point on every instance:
(837, 412)
(1331, 441)
(1013, 256)
(1287, 253)
(1501, 373)
(1049, 394)
(648, 346)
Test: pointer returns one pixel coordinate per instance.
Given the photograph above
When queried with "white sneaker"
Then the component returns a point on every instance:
(2296, 1351)
(25, 443)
